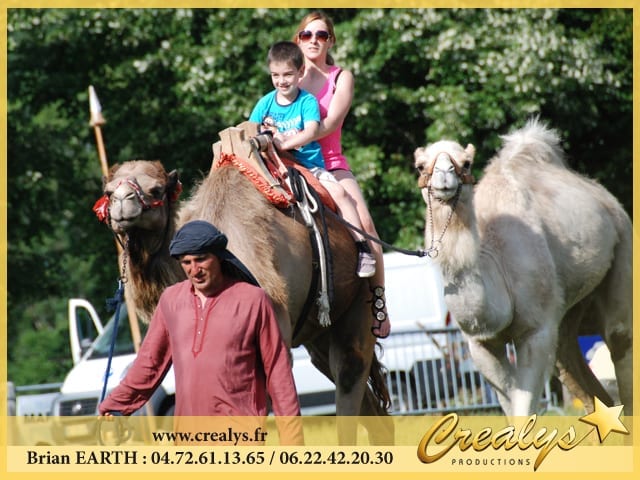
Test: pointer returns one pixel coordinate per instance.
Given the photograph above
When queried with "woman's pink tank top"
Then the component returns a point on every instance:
(331, 144)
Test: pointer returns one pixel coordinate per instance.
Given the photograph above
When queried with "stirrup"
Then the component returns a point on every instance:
(377, 308)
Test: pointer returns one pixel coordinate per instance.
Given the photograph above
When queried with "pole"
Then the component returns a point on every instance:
(97, 120)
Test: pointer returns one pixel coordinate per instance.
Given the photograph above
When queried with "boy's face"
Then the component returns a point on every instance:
(285, 78)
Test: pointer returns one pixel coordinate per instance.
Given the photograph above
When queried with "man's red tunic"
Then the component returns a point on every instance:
(225, 356)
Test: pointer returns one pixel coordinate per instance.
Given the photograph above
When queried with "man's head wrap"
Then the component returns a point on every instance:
(199, 237)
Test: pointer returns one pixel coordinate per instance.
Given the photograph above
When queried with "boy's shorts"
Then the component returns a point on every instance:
(323, 175)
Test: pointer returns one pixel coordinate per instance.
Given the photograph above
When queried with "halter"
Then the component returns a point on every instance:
(465, 176)
(434, 249)
(101, 207)
(140, 195)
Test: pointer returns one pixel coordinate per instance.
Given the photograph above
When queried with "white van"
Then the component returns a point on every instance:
(414, 292)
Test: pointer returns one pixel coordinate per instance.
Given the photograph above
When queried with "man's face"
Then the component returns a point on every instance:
(203, 270)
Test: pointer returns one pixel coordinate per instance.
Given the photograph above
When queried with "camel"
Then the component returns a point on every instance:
(140, 206)
(534, 255)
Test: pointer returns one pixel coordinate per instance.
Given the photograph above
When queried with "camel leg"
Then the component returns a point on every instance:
(350, 356)
(492, 362)
(612, 309)
(574, 372)
(380, 426)
(519, 387)
(284, 322)
(374, 415)
(319, 352)
(536, 355)
(617, 315)
(577, 376)
(378, 423)
(350, 368)
(622, 358)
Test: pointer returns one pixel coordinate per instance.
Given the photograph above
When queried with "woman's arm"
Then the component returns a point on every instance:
(340, 104)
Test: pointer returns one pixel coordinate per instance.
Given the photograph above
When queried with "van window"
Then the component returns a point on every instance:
(87, 330)
(124, 343)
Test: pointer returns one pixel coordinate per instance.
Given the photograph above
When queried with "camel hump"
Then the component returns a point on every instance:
(535, 142)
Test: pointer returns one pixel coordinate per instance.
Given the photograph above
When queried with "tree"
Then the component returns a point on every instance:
(170, 79)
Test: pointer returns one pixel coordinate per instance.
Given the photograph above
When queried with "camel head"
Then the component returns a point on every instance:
(137, 195)
(444, 167)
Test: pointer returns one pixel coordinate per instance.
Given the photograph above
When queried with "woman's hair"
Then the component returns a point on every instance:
(317, 15)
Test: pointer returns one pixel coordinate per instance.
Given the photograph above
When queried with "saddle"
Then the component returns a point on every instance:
(251, 152)
(276, 176)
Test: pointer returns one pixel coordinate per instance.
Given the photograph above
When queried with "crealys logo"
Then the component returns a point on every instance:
(445, 434)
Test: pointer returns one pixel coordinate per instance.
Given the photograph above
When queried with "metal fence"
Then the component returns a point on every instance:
(430, 371)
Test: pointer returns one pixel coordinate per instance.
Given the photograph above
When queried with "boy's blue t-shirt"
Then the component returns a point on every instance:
(289, 119)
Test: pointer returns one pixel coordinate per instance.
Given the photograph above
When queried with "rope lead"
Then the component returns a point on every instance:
(113, 304)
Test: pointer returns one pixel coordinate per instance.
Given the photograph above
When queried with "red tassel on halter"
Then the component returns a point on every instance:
(101, 208)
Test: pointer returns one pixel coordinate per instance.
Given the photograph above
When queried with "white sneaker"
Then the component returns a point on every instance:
(366, 265)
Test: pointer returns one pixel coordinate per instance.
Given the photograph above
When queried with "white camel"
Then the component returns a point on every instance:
(542, 257)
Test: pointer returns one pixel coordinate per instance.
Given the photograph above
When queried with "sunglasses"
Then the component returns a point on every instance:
(321, 35)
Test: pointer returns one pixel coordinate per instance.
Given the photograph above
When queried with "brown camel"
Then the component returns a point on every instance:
(543, 256)
(275, 245)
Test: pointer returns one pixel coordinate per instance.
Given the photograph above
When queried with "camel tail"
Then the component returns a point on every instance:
(379, 385)
(535, 142)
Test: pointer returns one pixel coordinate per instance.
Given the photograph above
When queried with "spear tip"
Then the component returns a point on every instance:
(95, 109)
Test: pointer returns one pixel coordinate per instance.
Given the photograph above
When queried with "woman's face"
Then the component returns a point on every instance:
(317, 46)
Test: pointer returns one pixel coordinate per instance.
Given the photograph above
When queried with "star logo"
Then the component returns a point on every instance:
(605, 419)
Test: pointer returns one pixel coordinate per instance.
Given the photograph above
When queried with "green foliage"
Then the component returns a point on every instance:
(170, 79)
(43, 348)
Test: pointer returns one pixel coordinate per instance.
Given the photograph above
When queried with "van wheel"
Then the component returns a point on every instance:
(402, 394)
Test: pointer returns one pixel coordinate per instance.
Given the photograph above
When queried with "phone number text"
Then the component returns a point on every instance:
(259, 457)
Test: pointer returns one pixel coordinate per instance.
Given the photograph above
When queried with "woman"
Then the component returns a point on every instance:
(333, 87)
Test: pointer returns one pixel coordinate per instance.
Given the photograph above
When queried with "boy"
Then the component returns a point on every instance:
(295, 115)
